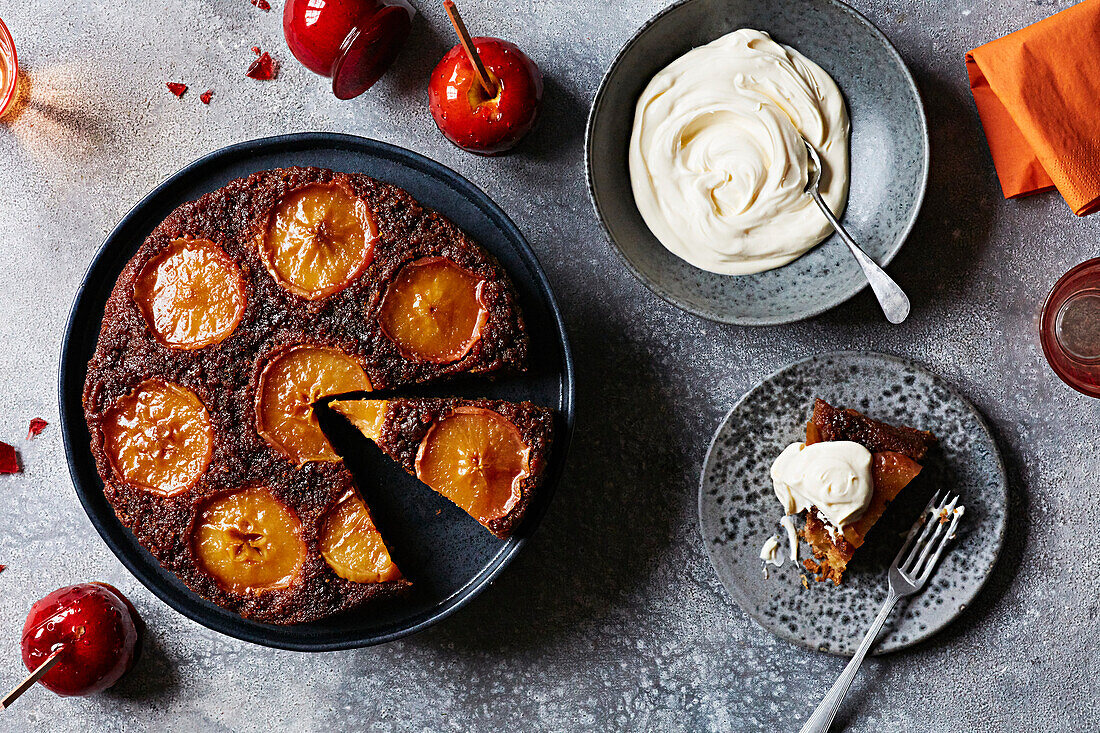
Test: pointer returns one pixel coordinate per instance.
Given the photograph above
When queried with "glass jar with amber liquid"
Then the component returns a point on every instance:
(1069, 328)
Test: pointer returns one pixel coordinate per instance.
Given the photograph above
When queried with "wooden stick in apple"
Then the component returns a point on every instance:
(467, 44)
(484, 94)
(29, 680)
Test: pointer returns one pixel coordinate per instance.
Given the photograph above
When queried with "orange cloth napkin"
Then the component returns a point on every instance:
(1038, 95)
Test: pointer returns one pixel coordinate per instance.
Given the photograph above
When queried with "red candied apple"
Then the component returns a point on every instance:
(314, 30)
(485, 122)
(351, 41)
(98, 630)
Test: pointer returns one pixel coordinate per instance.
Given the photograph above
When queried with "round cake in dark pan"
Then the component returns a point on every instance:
(141, 366)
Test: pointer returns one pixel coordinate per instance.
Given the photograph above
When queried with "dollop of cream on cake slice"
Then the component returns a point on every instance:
(832, 477)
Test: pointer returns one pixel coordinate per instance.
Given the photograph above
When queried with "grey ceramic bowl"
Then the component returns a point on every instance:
(738, 509)
(889, 155)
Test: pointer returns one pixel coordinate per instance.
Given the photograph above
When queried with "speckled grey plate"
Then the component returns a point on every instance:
(738, 510)
(889, 156)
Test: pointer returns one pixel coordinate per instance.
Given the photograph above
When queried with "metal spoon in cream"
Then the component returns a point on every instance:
(717, 162)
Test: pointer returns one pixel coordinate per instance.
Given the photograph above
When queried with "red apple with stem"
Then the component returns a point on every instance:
(485, 93)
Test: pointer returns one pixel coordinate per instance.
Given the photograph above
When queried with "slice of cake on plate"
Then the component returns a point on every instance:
(843, 476)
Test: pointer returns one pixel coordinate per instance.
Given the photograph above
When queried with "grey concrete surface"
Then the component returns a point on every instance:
(612, 618)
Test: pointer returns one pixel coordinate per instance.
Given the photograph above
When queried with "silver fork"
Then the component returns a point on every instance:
(892, 299)
(915, 562)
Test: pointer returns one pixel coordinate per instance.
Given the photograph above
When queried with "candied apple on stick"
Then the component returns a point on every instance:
(79, 640)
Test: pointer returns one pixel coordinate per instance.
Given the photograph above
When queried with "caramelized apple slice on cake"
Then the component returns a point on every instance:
(487, 456)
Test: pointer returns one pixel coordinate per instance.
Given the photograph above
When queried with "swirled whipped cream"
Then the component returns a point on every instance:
(717, 164)
(833, 476)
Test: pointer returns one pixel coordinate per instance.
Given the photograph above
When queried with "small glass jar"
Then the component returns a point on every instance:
(1069, 328)
(9, 69)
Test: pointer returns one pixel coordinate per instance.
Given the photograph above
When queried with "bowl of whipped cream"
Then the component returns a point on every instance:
(697, 168)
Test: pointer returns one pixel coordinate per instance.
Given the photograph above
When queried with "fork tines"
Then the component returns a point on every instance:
(926, 540)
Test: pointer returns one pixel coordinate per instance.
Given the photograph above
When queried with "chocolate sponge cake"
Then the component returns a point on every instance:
(236, 314)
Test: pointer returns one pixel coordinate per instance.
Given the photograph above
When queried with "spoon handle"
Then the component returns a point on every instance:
(892, 299)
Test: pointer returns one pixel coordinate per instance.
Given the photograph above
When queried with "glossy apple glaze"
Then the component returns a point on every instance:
(487, 123)
(96, 628)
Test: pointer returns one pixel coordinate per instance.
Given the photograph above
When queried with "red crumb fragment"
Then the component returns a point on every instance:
(262, 68)
(37, 426)
(9, 459)
(3, 568)
(206, 96)
(256, 50)
(263, 5)
(176, 88)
